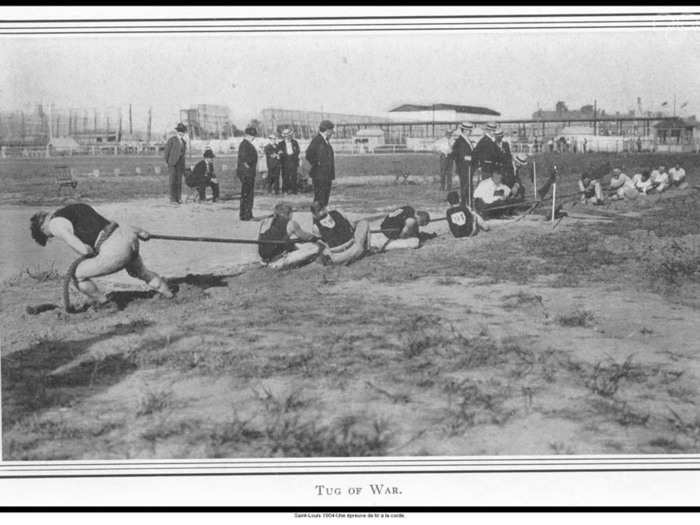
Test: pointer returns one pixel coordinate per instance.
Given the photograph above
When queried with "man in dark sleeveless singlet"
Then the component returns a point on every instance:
(83, 229)
(282, 227)
(404, 222)
(344, 243)
(461, 220)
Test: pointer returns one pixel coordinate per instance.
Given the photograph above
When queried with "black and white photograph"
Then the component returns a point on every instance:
(438, 239)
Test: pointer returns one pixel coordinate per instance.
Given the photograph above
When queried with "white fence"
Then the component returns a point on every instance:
(594, 143)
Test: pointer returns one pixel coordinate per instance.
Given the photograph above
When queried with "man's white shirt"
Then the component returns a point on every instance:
(676, 174)
(659, 177)
(640, 184)
(621, 181)
(486, 191)
(443, 146)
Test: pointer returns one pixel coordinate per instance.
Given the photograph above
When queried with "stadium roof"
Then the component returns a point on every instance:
(475, 110)
(675, 123)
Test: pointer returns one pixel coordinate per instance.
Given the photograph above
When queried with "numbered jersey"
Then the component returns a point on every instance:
(460, 220)
(395, 221)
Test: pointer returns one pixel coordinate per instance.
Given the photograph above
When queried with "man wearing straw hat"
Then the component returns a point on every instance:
(461, 152)
(174, 155)
(273, 164)
(487, 156)
(289, 158)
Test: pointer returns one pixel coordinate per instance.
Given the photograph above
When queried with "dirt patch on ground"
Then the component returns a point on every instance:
(528, 339)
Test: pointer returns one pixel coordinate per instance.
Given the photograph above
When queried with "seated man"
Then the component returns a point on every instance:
(283, 230)
(401, 229)
(491, 196)
(543, 190)
(621, 186)
(590, 190)
(203, 176)
(642, 181)
(677, 175)
(659, 180)
(512, 177)
(344, 244)
(113, 247)
(461, 219)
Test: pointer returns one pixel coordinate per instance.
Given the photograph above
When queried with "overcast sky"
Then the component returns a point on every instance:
(511, 72)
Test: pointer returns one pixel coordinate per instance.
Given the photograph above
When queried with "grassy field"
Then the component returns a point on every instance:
(528, 339)
(30, 181)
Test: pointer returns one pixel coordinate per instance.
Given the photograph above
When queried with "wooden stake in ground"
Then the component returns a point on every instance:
(554, 200)
(534, 179)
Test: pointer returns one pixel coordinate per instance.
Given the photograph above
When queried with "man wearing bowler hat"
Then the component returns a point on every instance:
(174, 155)
(320, 156)
(245, 171)
(461, 152)
(203, 174)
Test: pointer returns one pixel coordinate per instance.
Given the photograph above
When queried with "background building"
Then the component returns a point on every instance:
(208, 121)
(305, 123)
(440, 113)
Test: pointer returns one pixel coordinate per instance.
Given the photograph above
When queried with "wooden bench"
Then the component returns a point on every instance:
(64, 177)
(401, 174)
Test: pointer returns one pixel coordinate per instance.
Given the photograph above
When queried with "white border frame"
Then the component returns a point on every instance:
(613, 477)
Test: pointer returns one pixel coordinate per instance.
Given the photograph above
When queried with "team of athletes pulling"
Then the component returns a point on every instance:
(106, 247)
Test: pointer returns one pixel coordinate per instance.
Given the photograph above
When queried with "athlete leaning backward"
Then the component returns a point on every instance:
(109, 247)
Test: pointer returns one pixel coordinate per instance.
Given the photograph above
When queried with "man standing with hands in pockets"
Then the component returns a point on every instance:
(175, 150)
(245, 171)
(320, 156)
(461, 153)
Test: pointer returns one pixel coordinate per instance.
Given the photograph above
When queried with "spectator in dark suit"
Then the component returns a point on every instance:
(273, 165)
(487, 156)
(289, 158)
(204, 176)
(245, 171)
(174, 155)
(510, 178)
(462, 155)
(320, 156)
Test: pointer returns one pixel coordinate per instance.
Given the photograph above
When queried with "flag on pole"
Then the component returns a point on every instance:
(664, 104)
(684, 104)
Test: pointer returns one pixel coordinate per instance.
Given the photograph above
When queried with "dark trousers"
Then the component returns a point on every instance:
(445, 172)
(487, 211)
(175, 175)
(322, 191)
(289, 178)
(202, 189)
(247, 194)
(273, 180)
(464, 172)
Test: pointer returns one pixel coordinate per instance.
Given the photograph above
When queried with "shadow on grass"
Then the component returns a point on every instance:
(27, 383)
(202, 281)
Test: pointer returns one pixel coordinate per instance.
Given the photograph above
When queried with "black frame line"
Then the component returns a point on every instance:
(380, 17)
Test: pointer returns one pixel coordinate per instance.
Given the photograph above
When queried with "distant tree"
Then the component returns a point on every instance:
(588, 108)
(561, 107)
